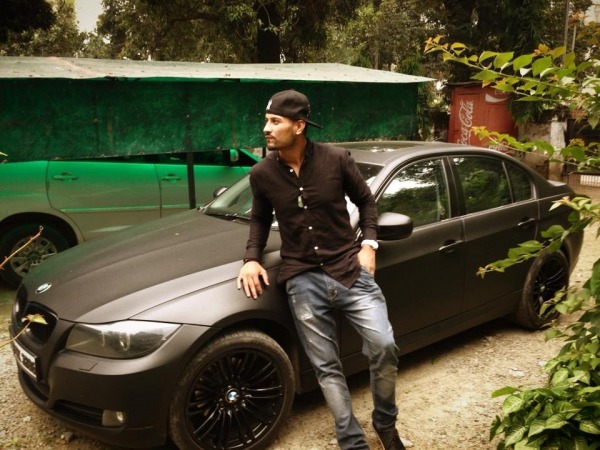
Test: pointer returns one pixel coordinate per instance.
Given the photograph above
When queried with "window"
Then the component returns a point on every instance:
(419, 191)
(486, 183)
(520, 183)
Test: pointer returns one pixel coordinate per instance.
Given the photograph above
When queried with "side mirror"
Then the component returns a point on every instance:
(393, 226)
(218, 191)
(234, 155)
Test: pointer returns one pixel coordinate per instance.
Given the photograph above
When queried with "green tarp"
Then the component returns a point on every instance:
(76, 108)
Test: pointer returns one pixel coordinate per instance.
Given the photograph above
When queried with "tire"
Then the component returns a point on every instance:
(234, 394)
(47, 245)
(548, 274)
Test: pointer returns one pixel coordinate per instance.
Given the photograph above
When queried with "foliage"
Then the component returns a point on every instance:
(508, 25)
(241, 31)
(17, 16)
(59, 38)
(566, 413)
(549, 76)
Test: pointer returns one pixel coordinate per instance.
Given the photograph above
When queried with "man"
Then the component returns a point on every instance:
(324, 267)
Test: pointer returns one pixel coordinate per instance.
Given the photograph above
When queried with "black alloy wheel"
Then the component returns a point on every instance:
(234, 394)
(548, 274)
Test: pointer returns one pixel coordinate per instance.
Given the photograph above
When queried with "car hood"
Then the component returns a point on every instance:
(176, 252)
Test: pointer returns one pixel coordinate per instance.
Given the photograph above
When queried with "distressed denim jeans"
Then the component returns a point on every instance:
(314, 297)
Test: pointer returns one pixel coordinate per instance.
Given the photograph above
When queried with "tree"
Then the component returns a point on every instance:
(60, 38)
(566, 413)
(502, 26)
(17, 16)
(220, 31)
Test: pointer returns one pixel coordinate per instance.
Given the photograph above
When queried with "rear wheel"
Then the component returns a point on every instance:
(548, 274)
(234, 394)
(47, 245)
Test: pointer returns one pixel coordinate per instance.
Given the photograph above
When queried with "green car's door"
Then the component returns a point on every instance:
(104, 195)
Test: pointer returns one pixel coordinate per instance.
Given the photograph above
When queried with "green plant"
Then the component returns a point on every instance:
(565, 414)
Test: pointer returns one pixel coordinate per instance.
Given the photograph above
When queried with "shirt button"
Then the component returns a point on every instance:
(291, 170)
(301, 188)
(316, 247)
(305, 207)
(310, 228)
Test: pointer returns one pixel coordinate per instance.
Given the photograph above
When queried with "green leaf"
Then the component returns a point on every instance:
(569, 60)
(511, 404)
(588, 426)
(487, 55)
(502, 59)
(485, 75)
(537, 426)
(506, 390)
(522, 61)
(556, 422)
(541, 64)
(595, 279)
(515, 435)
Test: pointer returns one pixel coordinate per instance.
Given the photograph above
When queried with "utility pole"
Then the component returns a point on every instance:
(566, 34)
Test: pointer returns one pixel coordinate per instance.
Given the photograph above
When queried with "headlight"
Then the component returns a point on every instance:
(119, 340)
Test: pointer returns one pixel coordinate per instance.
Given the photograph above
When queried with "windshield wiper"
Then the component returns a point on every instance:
(227, 216)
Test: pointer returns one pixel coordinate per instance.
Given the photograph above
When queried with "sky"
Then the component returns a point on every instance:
(87, 12)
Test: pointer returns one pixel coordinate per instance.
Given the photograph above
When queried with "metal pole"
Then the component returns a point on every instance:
(566, 34)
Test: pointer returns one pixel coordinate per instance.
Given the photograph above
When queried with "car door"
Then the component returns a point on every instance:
(212, 169)
(104, 195)
(421, 276)
(500, 212)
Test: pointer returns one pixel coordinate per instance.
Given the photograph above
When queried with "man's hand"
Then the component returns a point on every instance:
(366, 258)
(250, 279)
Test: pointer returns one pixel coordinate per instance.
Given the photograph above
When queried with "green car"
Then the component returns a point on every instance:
(78, 200)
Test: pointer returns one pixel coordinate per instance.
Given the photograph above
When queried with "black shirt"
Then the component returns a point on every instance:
(311, 211)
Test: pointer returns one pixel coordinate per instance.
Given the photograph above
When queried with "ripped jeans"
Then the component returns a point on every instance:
(313, 298)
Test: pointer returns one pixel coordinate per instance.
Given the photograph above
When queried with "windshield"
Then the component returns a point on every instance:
(236, 202)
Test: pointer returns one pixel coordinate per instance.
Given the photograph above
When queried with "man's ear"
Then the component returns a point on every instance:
(299, 127)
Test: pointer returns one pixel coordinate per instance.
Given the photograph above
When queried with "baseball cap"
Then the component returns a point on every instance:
(291, 104)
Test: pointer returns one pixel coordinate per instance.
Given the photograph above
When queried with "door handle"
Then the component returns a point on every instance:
(171, 178)
(526, 222)
(450, 246)
(66, 177)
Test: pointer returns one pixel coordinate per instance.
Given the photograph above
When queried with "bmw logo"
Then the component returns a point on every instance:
(43, 288)
(232, 396)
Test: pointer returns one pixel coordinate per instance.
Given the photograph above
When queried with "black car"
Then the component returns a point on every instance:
(149, 339)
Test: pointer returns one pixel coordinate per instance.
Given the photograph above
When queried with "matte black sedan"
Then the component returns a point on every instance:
(149, 340)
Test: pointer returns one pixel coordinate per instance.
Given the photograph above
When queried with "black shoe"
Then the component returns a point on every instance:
(390, 440)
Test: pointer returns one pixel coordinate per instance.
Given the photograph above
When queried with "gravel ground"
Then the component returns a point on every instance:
(444, 390)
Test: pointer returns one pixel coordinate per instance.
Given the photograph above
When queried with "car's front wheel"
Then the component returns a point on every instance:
(48, 244)
(234, 394)
(548, 274)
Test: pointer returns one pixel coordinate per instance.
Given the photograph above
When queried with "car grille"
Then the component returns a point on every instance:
(41, 332)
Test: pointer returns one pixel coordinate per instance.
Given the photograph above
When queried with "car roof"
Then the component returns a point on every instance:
(383, 152)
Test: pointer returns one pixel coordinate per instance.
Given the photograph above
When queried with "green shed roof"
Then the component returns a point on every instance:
(86, 69)
(77, 108)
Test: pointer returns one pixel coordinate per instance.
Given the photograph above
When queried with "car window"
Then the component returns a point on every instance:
(519, 182)
(484, 183)
(229, 157)
(418, 191)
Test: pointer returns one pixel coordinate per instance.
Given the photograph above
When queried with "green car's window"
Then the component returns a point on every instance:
(418, 191)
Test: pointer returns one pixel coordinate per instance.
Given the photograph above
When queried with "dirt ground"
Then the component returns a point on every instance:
(444, 390)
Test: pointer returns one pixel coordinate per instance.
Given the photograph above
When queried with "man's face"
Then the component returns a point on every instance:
(281, 132)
